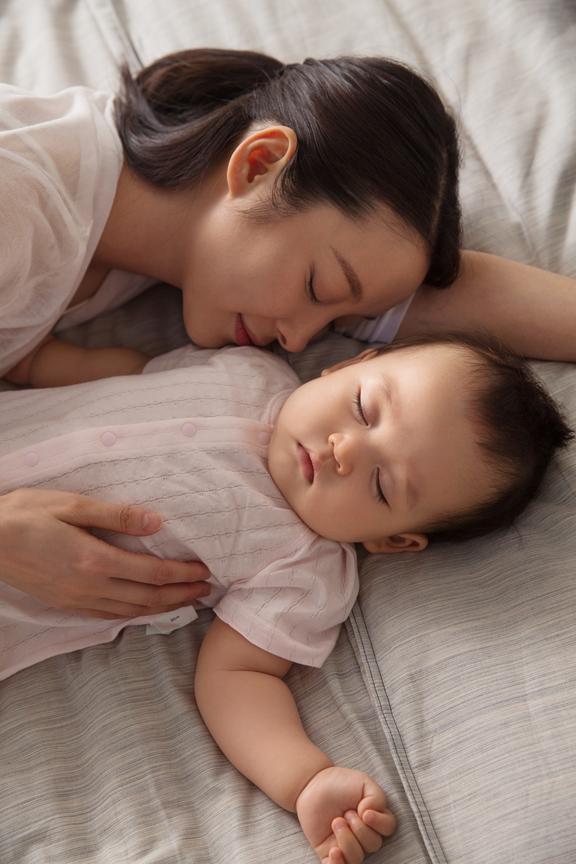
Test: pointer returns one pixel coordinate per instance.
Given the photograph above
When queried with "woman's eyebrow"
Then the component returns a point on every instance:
(352, 278)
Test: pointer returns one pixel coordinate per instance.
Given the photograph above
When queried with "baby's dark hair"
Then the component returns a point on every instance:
(520, 429)
(370, 131)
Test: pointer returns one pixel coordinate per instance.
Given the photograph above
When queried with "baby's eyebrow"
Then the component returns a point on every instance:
(352, 278)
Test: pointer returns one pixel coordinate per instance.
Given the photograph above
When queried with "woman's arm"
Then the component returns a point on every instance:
(54, 363)
(252, 716)
(531, 310)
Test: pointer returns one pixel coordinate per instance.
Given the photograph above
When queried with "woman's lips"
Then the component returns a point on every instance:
(306, 463)
(241, 334)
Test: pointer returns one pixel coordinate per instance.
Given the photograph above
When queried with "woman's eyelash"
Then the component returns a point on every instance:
(310, 288)
(358, 408)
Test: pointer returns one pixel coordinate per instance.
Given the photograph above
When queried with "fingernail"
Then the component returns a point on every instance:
(151, 521)
(349, 815)
(339, 824)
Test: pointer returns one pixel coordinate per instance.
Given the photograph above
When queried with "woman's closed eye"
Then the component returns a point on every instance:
(310, 289)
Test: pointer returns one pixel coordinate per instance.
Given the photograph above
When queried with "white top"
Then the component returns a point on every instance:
(191, 442)
(60, 160)
(384, 327)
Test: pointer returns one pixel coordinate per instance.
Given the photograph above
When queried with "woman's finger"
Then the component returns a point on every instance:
(151, 571)
(102, 560)
(97, 613)
(86, 512)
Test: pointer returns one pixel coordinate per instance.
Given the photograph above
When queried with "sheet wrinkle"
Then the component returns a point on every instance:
(114, 34)
(425, 63)
(361, 642)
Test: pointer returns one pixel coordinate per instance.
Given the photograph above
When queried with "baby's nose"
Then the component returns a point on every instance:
(342, 453)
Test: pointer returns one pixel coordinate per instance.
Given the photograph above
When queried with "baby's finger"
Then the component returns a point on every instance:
(347, 843)
(335, 856)
(384, 822)
(369, 840)
(373, 797)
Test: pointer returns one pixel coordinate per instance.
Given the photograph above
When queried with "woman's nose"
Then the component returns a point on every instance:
(342, 452)
(295, 336)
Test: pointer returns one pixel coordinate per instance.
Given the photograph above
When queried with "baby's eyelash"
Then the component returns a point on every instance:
(358, 408)
(310, 288)
(378, 489)
(359, 412)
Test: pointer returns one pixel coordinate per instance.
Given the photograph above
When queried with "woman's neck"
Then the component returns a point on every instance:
(148, 230)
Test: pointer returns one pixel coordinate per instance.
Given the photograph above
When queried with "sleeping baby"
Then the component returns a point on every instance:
(270, 484)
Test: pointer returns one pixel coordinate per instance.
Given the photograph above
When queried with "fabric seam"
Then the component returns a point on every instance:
(364, 650)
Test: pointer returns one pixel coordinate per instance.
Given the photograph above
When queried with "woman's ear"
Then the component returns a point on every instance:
(258, 159)
(368, 354)
(397, 543)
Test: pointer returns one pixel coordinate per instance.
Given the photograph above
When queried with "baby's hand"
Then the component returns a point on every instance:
(344, 816)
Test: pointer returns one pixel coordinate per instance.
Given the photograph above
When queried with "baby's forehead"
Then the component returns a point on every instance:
(436, 353)
(446, 373)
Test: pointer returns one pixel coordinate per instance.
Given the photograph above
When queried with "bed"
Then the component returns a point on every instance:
(454, 680)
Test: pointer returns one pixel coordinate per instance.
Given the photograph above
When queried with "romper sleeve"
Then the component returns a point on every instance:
(59, 167)
(294, 607)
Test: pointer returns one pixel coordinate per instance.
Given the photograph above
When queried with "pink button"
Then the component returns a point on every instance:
(264, 437)
(31, 458)
(189, 429)
(108, 438)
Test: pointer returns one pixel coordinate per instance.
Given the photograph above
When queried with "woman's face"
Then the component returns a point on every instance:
(285, 279)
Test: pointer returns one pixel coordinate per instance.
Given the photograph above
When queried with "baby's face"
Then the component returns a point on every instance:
(382, 447)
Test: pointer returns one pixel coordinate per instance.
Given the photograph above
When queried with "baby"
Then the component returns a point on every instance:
(270, 484)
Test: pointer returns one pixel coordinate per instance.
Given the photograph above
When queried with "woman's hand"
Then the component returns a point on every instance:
(344, 816)
(45, 552)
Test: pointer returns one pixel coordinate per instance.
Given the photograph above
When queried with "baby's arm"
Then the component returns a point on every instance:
(54, 363)
(531, 310)
(252, 716)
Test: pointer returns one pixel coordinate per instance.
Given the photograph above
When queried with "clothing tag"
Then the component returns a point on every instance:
(167, 622)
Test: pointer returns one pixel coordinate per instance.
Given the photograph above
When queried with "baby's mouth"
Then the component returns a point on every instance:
(306, 463)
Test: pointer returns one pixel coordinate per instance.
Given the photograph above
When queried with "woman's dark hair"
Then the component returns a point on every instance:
(519, 429)
(370, 131)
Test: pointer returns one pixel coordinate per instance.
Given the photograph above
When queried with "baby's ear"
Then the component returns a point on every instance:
(397, 543)
(368, 354)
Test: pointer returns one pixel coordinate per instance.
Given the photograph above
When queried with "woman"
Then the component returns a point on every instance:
(279, 199)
